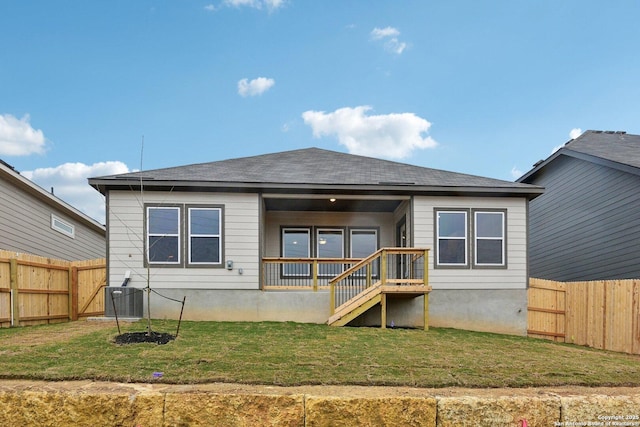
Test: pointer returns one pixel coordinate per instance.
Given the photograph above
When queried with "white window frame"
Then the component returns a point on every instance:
(464, 238)
(477, 238)
(190, 234)
(62, 226)
(178, 262)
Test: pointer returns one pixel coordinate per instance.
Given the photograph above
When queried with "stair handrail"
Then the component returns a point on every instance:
(366, 262)
(349, 271)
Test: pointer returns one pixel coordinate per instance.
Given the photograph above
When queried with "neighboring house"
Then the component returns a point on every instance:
(34, 221)
(260, 238)
(586, 226)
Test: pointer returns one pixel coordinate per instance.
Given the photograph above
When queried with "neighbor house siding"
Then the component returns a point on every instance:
(515, 274)
(586, 226)
(240, 229)
(25, 226)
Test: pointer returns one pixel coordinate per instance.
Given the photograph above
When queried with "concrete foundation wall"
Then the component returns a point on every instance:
(500, 311)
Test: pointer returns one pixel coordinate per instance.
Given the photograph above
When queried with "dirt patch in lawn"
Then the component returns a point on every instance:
(32, 336)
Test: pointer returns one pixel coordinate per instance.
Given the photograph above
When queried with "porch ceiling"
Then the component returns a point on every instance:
(325, 205)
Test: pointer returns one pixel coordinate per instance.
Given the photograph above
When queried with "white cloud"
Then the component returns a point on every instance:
(254, 87)
(390, 135)
(210, 8)
(516, 173)
(270, 5)
(18, 138)
(575, 132)
(381, 33)
(69, 182)
(389, 36)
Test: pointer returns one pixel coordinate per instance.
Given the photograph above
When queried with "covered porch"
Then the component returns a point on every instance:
(356, 247)
(361, 284)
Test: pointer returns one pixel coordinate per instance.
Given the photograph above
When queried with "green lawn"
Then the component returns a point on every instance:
(296, 354)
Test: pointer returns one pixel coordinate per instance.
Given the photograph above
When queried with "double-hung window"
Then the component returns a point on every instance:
(184, 235)
(205, 235)
(163, 235)
(489, 238)
(451, 238)
(485, 245)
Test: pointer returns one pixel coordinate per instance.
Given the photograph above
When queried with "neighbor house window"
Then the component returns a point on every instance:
(330, 244)
(62, 226)
(489, 238)
(451, 238)
(296, 243)
(163, 235)
(205, 235)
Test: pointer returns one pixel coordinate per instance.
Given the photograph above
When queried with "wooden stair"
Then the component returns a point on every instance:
(356, 306)
(414, 283)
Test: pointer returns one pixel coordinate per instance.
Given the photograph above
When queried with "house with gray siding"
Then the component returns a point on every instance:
(586, 225)
(34, 221)
(291, 236)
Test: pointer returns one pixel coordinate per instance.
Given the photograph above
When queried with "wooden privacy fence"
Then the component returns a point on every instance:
(36, 290)
(604, 314)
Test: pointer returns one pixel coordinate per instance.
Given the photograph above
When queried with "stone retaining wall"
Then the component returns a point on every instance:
(86, 403)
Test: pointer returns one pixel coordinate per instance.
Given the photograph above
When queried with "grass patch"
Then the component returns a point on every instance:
(296, 354)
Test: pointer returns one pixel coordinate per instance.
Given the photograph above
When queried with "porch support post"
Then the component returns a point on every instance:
(426, 311)
(332, 297)
(383, 311)
(315, 275)
(383, 267)
(425, 267)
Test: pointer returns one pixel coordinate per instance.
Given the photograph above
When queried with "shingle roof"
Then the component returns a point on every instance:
(312, 166)
(614, 148)
(14, 178)
(619, 147)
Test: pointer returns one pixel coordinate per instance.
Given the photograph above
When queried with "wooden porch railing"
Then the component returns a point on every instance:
(280, 273)
(387, 266)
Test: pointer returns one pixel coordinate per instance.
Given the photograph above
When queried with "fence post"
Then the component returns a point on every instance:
(15, 307)
(73, 293)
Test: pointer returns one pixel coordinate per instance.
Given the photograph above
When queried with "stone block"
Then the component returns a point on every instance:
(500, 411)
(601, 410)
(370, 411)
(231, 410)
(45, 408)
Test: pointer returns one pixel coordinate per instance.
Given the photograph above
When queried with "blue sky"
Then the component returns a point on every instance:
(479, 87)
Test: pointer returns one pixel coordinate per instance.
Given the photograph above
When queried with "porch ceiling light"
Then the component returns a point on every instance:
(332, 200)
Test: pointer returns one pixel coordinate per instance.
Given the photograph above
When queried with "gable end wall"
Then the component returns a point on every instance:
(25, 226)
(586, 226)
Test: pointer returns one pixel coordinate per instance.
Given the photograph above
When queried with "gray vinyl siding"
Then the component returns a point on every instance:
(25, 226)
(586, 226)
(240, 231)
(513, 276)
